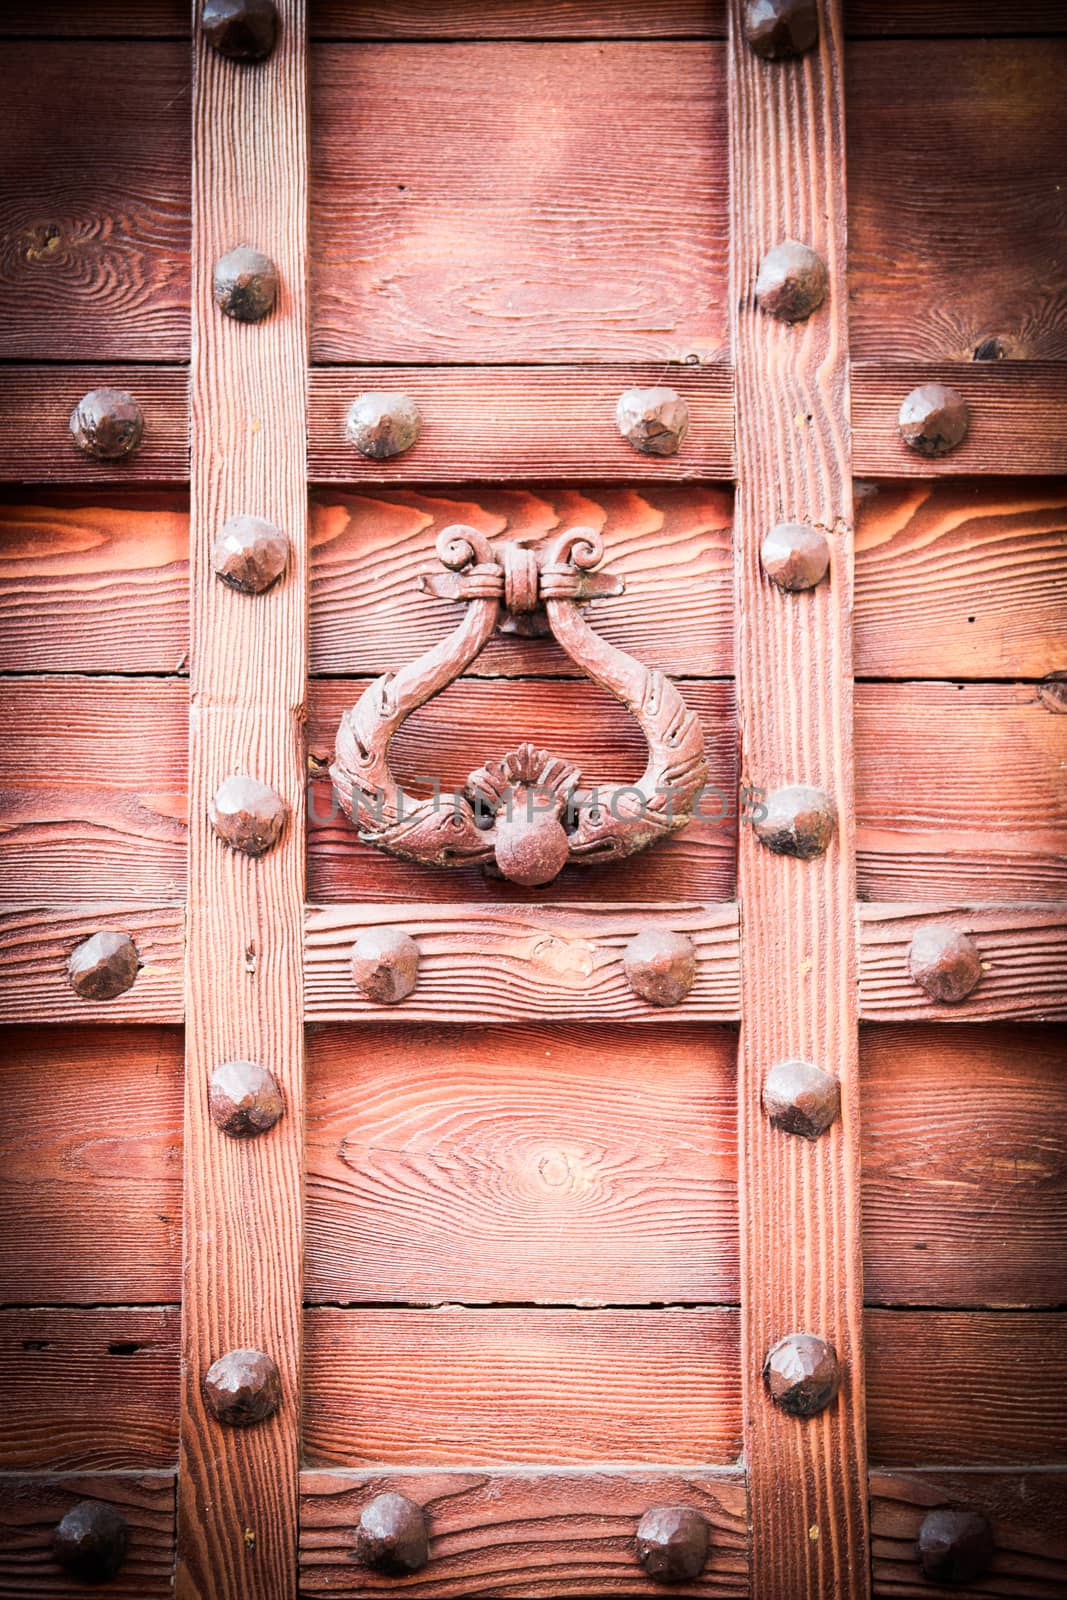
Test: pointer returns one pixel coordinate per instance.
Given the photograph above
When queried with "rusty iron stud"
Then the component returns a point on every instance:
(104, 965)
(797, 821)
(954, 1546)
(385, 965)
(247, 815)
(241, 30)
(245, 284)
(242, 1387)
(107, 424)
(244, 1099)
(392, 1536)
(660, 965)
(944, 961)
(250, 554)
(934, 419)
(90, 1541)
(801, 1098)
(654, 421)
(795, 556)
(791, 282)
(802, 1374)
(531, 846)
(672, 1543)
(382, 424)
(778, 29)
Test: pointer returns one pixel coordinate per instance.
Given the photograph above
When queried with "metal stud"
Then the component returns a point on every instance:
(660, 965)
(955, 1546)
(801, 1098)
(245, 284)
(385, 965)
(247, 815)
(672, 1543)
(797, 821)
(802, 1374)
(792, 281)
(778, 29)
(242, 1387)
(944, 961)
(654, 421)
(934, 419)
(392, 1536)
(90, 1541)
(795, 556)
(382, 424)
(244, 1099)
(250, 554)
(104, 965)
(241, 30)
(107, 424)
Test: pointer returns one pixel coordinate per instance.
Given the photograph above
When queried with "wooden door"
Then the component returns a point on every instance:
(331, 1174)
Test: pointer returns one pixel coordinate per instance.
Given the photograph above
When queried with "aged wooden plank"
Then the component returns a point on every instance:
(1028, 1513)
(73, 19)
(964, 1165)
(465, 1387)
(90, 1165)
(801, 1265)
(916, 18)
(243, 1199)
(519, 19)
(35, 407)
(521, 1535)
(89, 1391)
(521, 424)
(31, 1507)
(36, 942)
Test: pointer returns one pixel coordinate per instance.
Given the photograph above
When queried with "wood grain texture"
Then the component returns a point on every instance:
(957, 222)
(917, 18)
(89, 1391)
(507, 424)
(965, 1388)
(588, 1163)
(517, 19)
(801, 1263)
(37, 941)
(90, 1165)
(961, 579)
(73, 19)
(1028, 1512)
(460, 1387)
(964, 1165)
(94, 201)
(521, 1535)
(30, 1508)
(545, 225)
(243, 1199)
(35, 407)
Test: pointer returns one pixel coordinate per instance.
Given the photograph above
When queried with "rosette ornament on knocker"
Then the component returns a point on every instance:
(525, 814)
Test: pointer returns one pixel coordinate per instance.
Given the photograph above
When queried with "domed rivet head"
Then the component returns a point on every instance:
(391, 1536)
(672, 1543)
(944, 961)
(801, 1098)
(244, 1099)
(104, 965)
(245, 284)
(107, 424)
(250, 554)
(242, 1387)
(798, 821)
(90, 1541)
(777, 29)
(385, 965)
(795, 556)
(802, 1374)
(934, 419)
(791, 282)
(955, 1546)
(247, 815)
(381, 424)
(531, 847)
(654, 421)
(241, 30)
(660, 965)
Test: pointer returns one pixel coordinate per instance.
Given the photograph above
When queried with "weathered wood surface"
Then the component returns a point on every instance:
(555, 1164)
(90, 1165)
(89, 1391)
(521, 1535)
(965, 1388)
(1028, 1512)
(516, 19)
(30, 1508)
(35, 407)
(916, 18)
(456, 1386)
(36, 942)
(73, 19)
(964, 1165)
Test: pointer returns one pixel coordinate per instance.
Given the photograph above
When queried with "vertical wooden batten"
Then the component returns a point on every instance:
(237, 1495)
(799, 1200)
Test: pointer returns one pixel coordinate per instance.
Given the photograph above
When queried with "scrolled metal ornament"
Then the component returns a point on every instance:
(525, 814)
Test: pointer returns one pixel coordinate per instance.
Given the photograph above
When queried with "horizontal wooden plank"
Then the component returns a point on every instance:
(521, 1535)
(964, 1165)
(89, 1391)
(31, 1507)
(965, 1388)
(455, 1386)
(917, 18)
(1028, 1514)
(590, 1164)
(977, 567)
(515, 19)
(90, 1165)
(35, 407)
(104, 19)
(1024, 963)
(502, 424)
(36, 942)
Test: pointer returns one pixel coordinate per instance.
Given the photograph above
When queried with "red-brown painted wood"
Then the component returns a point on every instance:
(31, 1507)
(518, 19)
(35, 407)
(37, 941)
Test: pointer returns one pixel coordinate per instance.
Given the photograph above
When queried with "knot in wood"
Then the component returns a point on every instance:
(520, 578)
(107, 424)
(90, 1541)
(382, 424)
(795, 556)
(791, 282)
(802, 1374)
(385, 965)
(660, 965)
(244, 1099)
(672, 1543)
(801, 1098)
(391, 1536)
(241, 30)
(245, 284)
(250, 554)
(954, 1546)
(778, 29)
(247, 815)
(933, 419)
(242, 1387)
(654, 421)
(797, 821)
(104, 965)
(944, 961)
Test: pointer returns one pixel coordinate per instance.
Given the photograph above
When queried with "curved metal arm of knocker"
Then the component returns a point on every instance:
(526, 813)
